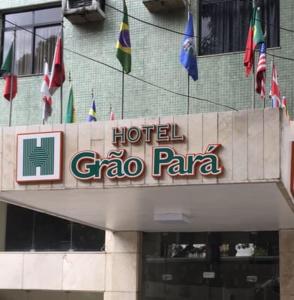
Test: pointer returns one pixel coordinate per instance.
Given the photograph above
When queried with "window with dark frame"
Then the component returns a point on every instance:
(224, 24)
(36, 33)
(28, 230)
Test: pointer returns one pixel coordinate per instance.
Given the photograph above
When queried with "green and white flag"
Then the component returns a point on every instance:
(70, 116)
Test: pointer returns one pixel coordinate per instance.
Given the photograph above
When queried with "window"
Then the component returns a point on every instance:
(36, 33)
(224, 24)
(29, 230)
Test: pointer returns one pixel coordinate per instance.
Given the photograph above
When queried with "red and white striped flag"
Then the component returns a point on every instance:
(261, 71)
(47, 100)
(57, 72)
(275, 92)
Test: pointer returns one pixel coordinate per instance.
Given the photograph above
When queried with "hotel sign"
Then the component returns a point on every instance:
(39, 157)
(88, 165)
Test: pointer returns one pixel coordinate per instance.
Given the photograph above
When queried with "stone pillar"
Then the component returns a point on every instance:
(287, 264)
(3, 210)
(123, 254)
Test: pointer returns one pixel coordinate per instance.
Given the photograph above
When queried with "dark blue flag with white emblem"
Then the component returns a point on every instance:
(188, 51)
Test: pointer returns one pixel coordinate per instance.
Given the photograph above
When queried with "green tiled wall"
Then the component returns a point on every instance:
(155, 59)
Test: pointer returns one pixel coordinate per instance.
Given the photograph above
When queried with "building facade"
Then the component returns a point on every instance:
(185, 197)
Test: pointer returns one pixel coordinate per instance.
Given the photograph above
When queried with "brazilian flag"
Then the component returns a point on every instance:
(123, 44)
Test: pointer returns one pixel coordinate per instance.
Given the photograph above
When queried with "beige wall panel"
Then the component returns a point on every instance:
(165, 179)
(83, 272)
(149, 179)
(128, 147)
(138, 150)
(195, 139)
(84, 143)
(122, 272)
(58, 127)
(181, 147)
(70, 148)
(210, 123)
(271, 143)
(18, 130)
(225, 138)
(42, 271)
(11, 271)
(240, 144)
(121, 296)
(97, 145)
(108, 125)
(8, 159)
(255, 145)
(287, 264)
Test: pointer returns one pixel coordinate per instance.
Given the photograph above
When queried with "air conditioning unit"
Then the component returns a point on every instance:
(155, 6)
(83, 11)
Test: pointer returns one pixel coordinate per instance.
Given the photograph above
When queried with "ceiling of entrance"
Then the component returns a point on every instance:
(221, 207)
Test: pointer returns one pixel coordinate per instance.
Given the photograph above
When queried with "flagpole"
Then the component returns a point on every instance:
(12, 76)
(253, 82)
(123, 94)
(188, 98)
(61, 87)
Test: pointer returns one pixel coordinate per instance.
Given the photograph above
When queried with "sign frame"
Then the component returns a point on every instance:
(58, 158)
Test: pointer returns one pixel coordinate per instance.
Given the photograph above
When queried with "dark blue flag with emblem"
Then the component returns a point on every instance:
(92, 113)
(188, 51)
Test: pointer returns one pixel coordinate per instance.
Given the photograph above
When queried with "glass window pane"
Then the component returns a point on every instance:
(50, 15)
(51, 233)
(8, 38)
(23, 52)
(225, 23)
(19, 229)
(45, 46)
(85, 238)
(20, 19)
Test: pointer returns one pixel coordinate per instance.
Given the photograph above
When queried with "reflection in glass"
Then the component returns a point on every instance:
(224, 24)
(45, 46)
(29, 230)
(20, 19)
(35, 41)
(211, 266)
(23, 52)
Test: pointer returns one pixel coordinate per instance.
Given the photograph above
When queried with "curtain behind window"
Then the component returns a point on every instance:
(225, 23)
(45, 46)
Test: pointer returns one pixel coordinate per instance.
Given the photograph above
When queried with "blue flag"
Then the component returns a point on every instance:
(92, 113)
(188, 50)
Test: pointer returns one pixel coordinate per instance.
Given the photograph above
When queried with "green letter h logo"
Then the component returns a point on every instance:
(38, 156)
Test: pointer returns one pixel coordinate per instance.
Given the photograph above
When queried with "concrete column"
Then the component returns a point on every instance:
(123, 253)
(287, 264)
(3, 210)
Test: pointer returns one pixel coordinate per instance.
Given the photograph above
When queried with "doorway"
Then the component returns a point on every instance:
(211, 266)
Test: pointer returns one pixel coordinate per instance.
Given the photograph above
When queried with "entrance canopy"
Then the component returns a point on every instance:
(205, 172)
(225, 207)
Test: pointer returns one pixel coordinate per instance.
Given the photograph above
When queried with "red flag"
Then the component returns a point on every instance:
(260, 71)
(275, 92)
(47, 100)
(255, 37)
(10, 80)
(57, 71)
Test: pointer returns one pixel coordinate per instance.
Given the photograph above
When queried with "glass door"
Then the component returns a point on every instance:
(210, 266)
